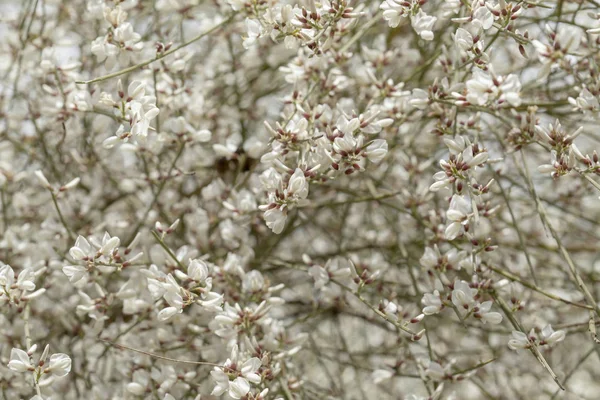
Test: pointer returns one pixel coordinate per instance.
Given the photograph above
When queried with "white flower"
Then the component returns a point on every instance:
(202, 135)
(212, 302)
(222, 382)
(82, 249)
(472, 161)
(172, 294)
(254, 30)
(253, 282)
(140, 108)
(463, 296)
(483, 87)
(391, 309)
(167, 313)
(565, 41)
(25, 281)
(377, 150)
(347, 126)
(20, 361)
(320, 275)
(510, 89)
(43, 180)
(479, 88)
(371, 126)
(432, 303)
(586, 101)
(551, 337)
(482, 16)
(240, 385)
(115, 16)
(109, 244)
(7, 276)
(105, 51)
(519, 341)
(423, 24)
(125, 36)
(463, 39)
(60, 364)
(393, 12)
(298, 186)
(485, 314)
(275, 219)
(345, 144)
(238, 388)
(458, 213)
(141, 379)
(249, 369)
(419, 99)
(197, 270)
(430, 258)
(71, 184)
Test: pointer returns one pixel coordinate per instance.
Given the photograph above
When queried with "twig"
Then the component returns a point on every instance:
(531, 286)
(158, 57)
(360, 32)
(533, 348)
(61, 217)
(168, 250)
(155, 199)
(123, 347)
(397, 324)
(572, 269)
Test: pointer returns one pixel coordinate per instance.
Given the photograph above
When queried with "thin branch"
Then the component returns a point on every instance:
(123, 347)
(534, 349)
(572, 269)
(536, 288)
(161, 56)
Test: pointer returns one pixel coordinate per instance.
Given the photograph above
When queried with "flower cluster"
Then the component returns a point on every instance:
(120, 42)
(299, 199)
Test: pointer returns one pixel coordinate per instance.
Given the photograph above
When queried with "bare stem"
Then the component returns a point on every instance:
(534, 349)
(61, 217)
(123, 347)
(575, 276)
(158, 57)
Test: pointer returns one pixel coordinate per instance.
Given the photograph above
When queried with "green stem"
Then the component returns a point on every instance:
(61, 217)
(159, 57)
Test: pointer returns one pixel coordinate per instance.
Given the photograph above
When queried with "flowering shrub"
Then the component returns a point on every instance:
(299, 199)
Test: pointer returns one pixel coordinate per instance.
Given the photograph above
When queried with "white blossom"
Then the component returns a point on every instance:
(552, 337)
(519, 341)
(423, 24)
(20, 361)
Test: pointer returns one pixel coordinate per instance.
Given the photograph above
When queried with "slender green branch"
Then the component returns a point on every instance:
(161, 56)
(363, 29)
(589, 179)
(397, 324)
(156, 195)
(572, 269)
(536, 288)
(168, 250)
(516, 225)
(61, 217)
(533, 348)
(123, 347)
